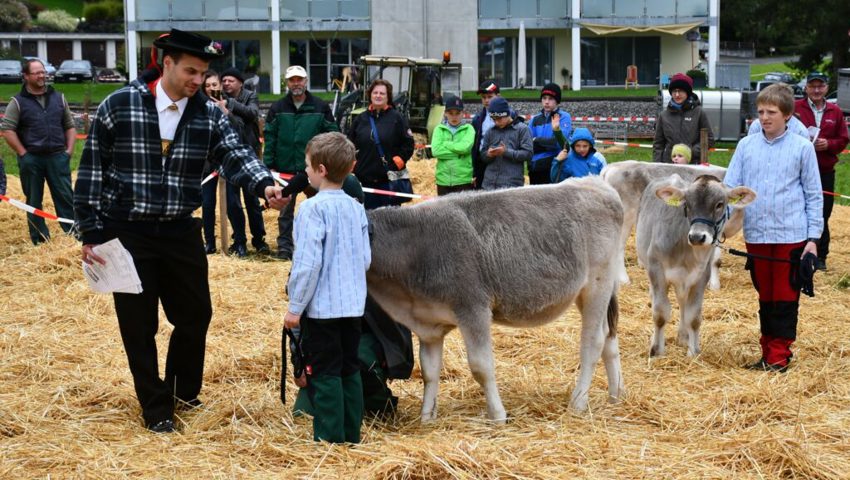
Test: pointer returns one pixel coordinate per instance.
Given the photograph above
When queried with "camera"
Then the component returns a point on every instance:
(215, 94)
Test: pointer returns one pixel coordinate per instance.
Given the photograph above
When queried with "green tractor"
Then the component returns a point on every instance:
(419, 85)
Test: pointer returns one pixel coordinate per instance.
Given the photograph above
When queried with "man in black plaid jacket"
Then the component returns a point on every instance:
(139, 180)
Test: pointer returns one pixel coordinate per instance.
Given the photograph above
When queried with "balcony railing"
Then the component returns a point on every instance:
(208, 10)
(324, 10)
(543, 9)
(643, 8)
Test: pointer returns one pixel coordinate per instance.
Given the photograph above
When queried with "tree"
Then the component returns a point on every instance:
(761, 22)
(14, 16)
(827, 27)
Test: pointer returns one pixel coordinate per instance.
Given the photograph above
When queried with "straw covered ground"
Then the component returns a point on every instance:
(67, 407)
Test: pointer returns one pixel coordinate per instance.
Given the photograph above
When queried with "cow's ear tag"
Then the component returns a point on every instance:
(674, 202)
(734, 200)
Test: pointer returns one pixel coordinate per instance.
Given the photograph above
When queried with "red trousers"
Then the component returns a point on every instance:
(778, 299)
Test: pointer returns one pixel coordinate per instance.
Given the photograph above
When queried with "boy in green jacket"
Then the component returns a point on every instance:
(452, 145)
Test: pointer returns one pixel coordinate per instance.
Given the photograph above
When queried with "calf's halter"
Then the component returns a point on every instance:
(716, 225)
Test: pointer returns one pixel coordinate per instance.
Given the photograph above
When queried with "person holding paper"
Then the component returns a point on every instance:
(828, 122)
(139, 180)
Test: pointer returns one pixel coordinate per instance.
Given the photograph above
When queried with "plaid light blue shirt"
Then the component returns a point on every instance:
(784, 174)
(332, 254)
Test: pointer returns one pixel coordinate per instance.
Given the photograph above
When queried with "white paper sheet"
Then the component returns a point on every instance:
(118, 275)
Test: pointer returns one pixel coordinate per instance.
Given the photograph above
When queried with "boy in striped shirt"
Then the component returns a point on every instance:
(327, 289)
(784, 222)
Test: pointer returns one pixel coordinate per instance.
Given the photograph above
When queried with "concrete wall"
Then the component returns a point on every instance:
(425, 29)
(676, 54)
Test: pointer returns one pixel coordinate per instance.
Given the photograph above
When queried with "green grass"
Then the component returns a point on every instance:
(758, 71)
(74, 7)
(74, 92)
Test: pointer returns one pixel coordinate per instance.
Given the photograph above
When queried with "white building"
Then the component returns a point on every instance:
(591, 41)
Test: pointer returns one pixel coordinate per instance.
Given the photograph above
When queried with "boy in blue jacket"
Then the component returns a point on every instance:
(550, 130)
(582, 161)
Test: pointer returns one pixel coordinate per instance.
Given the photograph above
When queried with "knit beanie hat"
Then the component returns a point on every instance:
(683, 150)
(553, 90)
(232, 72)
(499, 107)
(682, 82)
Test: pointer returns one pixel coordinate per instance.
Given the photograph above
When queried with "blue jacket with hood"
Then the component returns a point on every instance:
(575, 165)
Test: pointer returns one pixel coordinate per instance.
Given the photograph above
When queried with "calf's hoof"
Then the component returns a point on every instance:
(428, 417)
(499, 417)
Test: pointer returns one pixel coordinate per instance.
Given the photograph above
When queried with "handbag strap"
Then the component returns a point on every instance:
(377, 140)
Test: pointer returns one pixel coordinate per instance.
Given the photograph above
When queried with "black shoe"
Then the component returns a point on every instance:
(261, 247)
(284, 255)
(821, 265)
(763, 366)
(162, 426)
(210, 248)
(238, 249)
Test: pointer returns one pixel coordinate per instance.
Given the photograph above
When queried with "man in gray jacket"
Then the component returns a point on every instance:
(243, 104)
(505, 148)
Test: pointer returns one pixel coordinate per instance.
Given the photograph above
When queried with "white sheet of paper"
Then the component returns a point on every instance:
(813, 133)
(118, 275)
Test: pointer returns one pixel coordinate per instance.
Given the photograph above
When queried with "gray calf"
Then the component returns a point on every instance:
(516, 257)
(676, 230)
(630, 178)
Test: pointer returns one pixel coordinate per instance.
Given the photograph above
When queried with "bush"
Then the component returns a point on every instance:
(104, 11)
(14, 16)
(56, 21)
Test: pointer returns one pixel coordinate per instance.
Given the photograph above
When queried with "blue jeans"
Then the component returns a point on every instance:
(56, 169)
(234, 212)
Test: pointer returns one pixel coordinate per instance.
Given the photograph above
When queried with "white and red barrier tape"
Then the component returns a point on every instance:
(283, 177)
(35, 211)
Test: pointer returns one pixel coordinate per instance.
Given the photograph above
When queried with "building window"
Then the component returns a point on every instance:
(523, 8)
(604, 59)
(325, 58)
(324, 9)
(497, 60)
(244, 55)
(643, 8)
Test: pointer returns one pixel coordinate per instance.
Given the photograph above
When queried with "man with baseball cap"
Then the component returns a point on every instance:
(139, 181)
(815, 111)
(291, 122)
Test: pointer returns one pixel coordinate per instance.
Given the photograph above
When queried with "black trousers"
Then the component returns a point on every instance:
(827, 181)
(173, 269)
(330, 346)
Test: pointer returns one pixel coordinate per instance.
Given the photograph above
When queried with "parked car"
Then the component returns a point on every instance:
(48, 67)
(783, 77)
(10, 71)
(75, 71)
(107, 75)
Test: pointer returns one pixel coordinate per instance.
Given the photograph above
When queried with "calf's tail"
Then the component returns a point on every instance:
(613, 314)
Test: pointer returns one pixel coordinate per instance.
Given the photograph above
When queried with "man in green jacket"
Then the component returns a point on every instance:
(291, 122)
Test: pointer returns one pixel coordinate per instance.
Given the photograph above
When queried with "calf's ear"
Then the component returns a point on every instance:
(671, 195)
(740, 197)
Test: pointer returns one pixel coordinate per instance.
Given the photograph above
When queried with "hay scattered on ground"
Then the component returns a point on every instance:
(67, 407)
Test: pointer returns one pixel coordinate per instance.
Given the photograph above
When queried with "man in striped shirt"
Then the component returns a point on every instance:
(139, 180)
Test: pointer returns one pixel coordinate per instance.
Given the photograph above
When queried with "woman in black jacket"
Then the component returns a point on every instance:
(396, 141)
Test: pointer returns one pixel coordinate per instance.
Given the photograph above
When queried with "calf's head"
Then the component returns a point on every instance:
(706, 203)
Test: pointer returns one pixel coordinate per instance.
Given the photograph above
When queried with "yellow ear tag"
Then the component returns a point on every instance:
(734, 200)
(674, 202)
